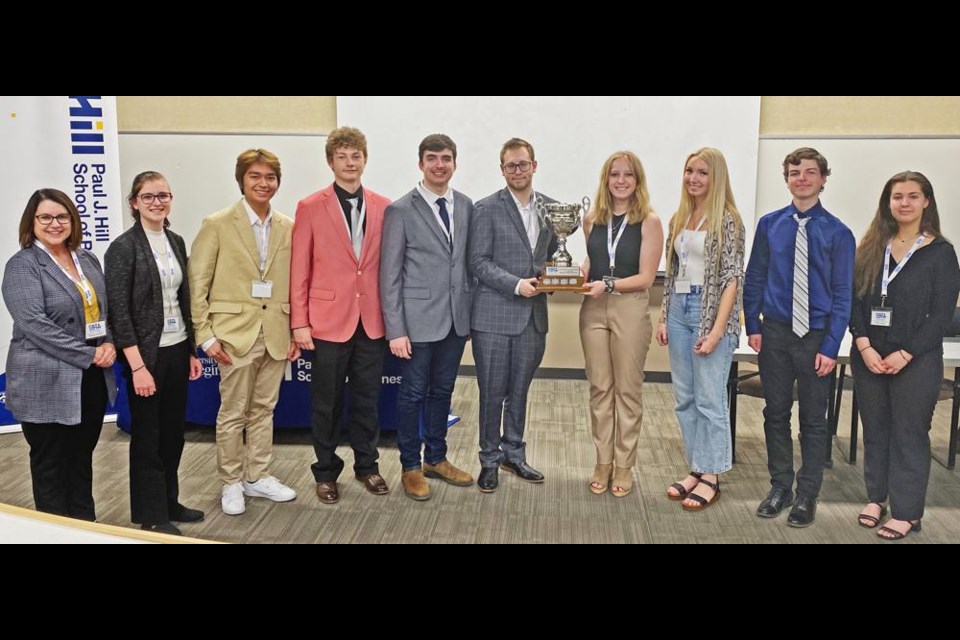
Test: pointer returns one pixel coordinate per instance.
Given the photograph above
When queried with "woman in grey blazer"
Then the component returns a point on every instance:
(150, 319)
(59, 368)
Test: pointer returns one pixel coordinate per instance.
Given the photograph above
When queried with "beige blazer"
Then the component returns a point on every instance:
(224, 263)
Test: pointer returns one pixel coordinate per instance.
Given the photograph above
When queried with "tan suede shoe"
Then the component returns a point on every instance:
(448, 473)
(415, 485)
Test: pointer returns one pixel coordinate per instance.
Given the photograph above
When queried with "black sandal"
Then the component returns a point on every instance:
(870, 522)
(915, 526)
(681, 490)
(703, 503)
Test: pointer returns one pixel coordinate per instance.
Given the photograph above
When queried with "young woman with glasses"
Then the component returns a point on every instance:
(151, 322)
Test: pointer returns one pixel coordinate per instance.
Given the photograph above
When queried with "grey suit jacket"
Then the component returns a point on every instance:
(48, 352)
(499, 256)
(424, 283)
(136, 293)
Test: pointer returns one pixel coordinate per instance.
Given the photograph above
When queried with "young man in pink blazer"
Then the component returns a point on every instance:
(335, 311)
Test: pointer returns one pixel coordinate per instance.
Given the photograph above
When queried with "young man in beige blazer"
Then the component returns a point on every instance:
(240, 282)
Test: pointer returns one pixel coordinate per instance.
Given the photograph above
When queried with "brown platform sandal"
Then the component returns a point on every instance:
(681, 490)
(703, 503)
(600, 478)
(622, 483)
(868, 521)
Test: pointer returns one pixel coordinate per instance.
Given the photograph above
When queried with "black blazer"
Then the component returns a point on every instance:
(923, 298)
(136, 294)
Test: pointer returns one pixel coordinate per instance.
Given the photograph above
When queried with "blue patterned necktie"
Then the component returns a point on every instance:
(445, 218)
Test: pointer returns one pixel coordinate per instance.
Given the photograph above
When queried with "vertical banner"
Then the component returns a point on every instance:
(63, 142)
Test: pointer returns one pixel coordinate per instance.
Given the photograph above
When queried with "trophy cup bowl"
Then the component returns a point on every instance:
(561, 274)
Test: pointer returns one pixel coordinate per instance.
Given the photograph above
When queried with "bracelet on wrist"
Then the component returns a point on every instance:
(143, 366)
(865, 348)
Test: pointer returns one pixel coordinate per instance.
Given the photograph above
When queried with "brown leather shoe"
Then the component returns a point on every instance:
(375, 484)
(415, 485)
(328, 492)
(448, 473)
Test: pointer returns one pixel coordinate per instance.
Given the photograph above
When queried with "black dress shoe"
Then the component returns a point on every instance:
(488, 480)
(186, 515)
(165, 527)
(776, 501)
(803, 512)
(523, 471)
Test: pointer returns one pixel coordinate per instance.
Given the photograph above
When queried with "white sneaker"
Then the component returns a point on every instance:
(269, 488)
(231, 499)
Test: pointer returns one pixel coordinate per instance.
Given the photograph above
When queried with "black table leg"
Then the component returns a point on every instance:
(854, 425)
(831, 426)
(954, 420)
(732, 382)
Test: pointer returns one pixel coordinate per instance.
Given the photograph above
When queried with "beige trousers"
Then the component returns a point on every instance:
(249, 389)
(616, 331)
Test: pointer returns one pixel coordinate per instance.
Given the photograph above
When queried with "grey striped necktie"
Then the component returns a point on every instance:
(801, 290)
(356, 229)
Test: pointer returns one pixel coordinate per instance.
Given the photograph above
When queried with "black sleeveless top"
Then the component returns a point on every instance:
(628, 251)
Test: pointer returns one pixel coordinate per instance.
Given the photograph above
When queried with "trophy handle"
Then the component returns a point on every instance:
(585, 203)
(541, 209)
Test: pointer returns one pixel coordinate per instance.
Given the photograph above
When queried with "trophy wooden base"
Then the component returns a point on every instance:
(561, 279)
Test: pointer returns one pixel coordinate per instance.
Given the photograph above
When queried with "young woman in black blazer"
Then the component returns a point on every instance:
(906, 284)
(146, 281)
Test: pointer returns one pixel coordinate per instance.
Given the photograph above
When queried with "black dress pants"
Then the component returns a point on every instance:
(61, 455)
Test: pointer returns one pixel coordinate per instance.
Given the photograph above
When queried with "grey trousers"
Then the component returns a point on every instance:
(505, 368)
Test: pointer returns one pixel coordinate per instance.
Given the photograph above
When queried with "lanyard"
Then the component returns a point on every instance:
(168, 273)
(887, 276)
(82, 283)
(611, 243)
(684, 252)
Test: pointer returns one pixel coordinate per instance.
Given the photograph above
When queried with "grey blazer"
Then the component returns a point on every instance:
(424, 284)
(136, 293)
(48, 352)
(499, 256)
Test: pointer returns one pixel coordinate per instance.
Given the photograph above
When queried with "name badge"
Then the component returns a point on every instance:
(681, 286)
(171, 324)
(96, 330)
(262, 289)
(881, 316)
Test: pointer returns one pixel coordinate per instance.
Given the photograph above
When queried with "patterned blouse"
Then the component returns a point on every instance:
(731, 251)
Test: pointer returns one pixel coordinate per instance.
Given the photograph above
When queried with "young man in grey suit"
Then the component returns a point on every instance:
(425, 295)
(508, 246)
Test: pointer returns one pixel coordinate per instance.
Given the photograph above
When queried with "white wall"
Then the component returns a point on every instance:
(200, 170)
(572, 136)
(859, 169)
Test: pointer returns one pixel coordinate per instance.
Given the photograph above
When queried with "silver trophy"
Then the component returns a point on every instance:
(561, 274)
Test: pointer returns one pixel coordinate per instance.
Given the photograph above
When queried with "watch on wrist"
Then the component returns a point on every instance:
(608, 282)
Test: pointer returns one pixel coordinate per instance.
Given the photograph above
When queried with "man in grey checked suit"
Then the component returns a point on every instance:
(425, 295)
(508, 246)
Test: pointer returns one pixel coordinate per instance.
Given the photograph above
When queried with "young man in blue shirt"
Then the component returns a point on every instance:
(800, 280)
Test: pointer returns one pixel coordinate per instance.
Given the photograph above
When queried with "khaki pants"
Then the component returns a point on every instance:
(249, 389)
(616, 331)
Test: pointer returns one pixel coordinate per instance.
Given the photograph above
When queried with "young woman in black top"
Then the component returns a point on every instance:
(906, 284)
(146, 283)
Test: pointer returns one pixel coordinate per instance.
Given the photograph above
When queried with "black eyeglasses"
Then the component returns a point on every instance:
(163, 197)
(513, 166)
(45, 219)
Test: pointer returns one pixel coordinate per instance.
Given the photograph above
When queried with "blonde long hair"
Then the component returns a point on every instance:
(719, 200)
(639, 201)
